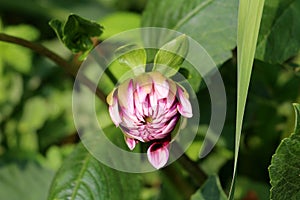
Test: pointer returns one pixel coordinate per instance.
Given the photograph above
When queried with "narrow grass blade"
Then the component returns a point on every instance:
(249, 17)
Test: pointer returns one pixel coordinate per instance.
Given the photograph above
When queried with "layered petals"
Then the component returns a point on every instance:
(147, 109)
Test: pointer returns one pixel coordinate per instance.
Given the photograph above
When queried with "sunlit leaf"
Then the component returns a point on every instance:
(118, 22)
(249, 18)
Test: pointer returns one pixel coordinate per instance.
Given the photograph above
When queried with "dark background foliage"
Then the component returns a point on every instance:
(37, 132)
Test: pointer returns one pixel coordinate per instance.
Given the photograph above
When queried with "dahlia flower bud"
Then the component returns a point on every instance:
(147, 109)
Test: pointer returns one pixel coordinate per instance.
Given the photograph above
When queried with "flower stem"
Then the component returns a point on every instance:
(40, 49)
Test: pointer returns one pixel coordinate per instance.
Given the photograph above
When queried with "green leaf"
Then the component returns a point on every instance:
(58, 27)
(211, 190)
(212, 23)
(169, 57)
(76, 33)
(83, 177)
(118, 22)
(249, 18)
(24, 181)
(284, 170)
(279, 35)
(133, 57)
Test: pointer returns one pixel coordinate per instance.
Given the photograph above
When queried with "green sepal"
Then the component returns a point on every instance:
(132, 56)
(169, 57)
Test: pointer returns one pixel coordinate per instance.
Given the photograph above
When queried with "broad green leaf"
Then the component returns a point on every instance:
(279, 34)
(24, 181)
(212, 23)
(249, 18)
(133, 57)
(285, 165)
(83, 177)
(169, 57)
(211, 190)
(77, 33)
(118, 22)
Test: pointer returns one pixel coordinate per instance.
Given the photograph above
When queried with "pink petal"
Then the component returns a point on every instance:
(161, 84)
(184, 106)
(130, 142)
(161, 89)
(143, 85)
(114, 112)
(158, 154)
(170, 126)
(172, 93)
(125, 95)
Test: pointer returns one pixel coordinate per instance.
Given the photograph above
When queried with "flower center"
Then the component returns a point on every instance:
(148, 119)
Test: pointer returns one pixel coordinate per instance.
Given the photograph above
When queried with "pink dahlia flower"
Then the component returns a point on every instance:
(147, 109)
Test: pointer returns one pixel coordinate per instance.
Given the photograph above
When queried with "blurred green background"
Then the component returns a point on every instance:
(36, 124)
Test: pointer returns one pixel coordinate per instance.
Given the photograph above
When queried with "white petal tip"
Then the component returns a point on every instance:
(130, 143)
(158, 154)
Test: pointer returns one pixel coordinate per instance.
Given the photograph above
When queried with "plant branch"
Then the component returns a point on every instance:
(40, 49)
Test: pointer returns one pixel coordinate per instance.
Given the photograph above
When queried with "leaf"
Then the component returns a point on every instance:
(133, 57)
(83, 177)
(17, 181)
(169, 57)
(113, 25)
(249, 18)
(212, 23)
(279, 35)
(284, 170)
(211, 190)
(76, 33)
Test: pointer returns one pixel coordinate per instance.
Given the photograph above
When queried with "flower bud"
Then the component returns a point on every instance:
(147, 109)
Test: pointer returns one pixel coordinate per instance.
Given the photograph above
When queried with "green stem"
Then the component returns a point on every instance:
(55, 58)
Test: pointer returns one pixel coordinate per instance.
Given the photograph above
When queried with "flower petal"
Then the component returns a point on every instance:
(109, 98)
(130, 142)
(125, 95)
(161, 84)
(184, 106)
(114, 112)
(143, 85)
(158, 154)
